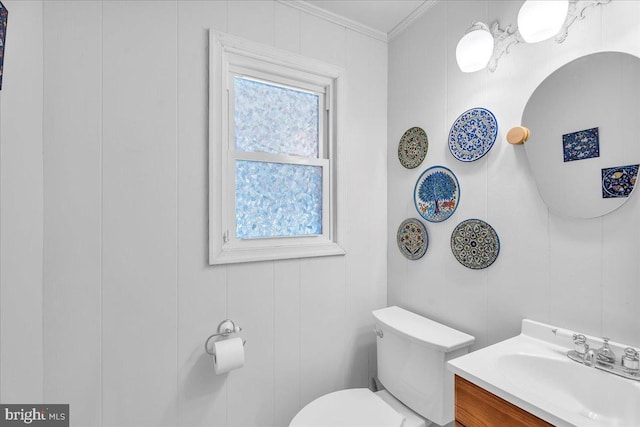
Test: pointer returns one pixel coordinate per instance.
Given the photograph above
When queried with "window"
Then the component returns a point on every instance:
(273, 154)
(279, 162)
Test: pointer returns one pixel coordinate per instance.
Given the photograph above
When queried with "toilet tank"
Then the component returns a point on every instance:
(412, 356)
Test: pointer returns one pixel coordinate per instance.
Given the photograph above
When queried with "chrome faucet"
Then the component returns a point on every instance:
(604, 355)
(589, 358)
(605, 359)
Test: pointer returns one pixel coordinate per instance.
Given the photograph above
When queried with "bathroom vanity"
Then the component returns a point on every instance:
(475, 406)
(533, 379)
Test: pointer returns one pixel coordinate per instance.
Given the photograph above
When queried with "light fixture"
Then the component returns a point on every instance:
(537, 20)
(540, 20)
(475, 48)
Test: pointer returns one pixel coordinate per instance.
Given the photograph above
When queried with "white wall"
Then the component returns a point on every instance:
(581, 274)
(21, 209)
(106, 295)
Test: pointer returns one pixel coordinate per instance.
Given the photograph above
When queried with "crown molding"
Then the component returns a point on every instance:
(356, 26)
(402, 25)
(336, 19)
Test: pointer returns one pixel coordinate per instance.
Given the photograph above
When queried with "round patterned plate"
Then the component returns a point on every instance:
(413, 147)
(436, 194)
(473, 134)
(475, 244)
(412, 239)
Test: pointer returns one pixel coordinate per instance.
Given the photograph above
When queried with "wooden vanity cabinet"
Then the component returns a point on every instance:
(476, 407)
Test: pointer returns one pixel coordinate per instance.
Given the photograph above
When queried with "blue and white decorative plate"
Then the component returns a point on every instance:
(473, 134)
(412, 239)
(475, 244)
(436, 194)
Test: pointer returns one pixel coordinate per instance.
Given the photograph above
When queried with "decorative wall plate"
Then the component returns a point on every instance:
(619, 181)
(412, 239)
(473, 134)
(581, 145)
(475, 244)
(413, 147)
(436, 194)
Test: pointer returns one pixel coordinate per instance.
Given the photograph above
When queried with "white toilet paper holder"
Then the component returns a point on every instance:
(225, 328)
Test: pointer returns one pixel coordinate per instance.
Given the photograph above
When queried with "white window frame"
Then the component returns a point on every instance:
(230, 56)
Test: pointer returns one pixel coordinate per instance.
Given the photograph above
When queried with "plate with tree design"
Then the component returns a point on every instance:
(436, 194)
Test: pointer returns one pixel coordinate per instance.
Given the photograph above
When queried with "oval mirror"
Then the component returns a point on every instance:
(583, 149)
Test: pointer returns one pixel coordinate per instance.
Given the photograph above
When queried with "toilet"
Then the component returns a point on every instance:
(418, 388)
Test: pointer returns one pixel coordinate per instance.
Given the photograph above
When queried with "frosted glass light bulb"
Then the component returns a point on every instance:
(474, 50)
(539, 20)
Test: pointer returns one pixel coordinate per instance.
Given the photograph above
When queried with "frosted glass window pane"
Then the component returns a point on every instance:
(274, 119)
(277, 200)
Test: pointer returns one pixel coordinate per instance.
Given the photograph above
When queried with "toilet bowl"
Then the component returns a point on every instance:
(357, 407)
(412, 355)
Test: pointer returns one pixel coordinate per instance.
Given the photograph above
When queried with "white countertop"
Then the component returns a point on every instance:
(533, 372)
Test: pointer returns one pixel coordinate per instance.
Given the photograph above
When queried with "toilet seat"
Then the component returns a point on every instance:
(352, 407)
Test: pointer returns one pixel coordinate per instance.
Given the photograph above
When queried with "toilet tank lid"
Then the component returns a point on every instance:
(424, 330)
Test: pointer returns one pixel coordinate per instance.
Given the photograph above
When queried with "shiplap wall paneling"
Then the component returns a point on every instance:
(365, 285)
(110, 157)
(322, 317)
(72, 203)
(465, 91)
(250, 390)
(202, 297)
(398, 122)
(580, 274)
(21, 207)
(139, 360)
(620, 268)
(286, 336)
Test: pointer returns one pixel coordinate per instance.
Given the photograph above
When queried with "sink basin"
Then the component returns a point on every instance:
(533, 372)
(594, 394)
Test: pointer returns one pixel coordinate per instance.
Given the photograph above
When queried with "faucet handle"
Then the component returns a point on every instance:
(580, 341)
(631, 360)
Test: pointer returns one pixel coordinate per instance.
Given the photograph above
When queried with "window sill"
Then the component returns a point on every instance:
(238, 254)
